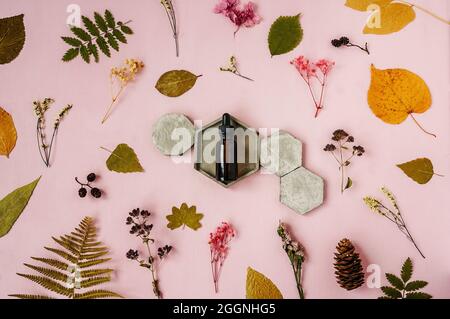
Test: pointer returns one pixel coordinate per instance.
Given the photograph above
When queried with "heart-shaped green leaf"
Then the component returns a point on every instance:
(12, 38)
(419, 170)
(285, 35)
(13, 205)
(176, 82)
(124, 160)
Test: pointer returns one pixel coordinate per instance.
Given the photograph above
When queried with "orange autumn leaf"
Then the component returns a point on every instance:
(8, 134)
(395, 94)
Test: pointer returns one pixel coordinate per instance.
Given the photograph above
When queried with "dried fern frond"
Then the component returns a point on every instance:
(80, 250)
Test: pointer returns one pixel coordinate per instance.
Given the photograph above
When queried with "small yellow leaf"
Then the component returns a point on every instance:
(363, 5)
(393, 18)
(260, 287)
(8, 134)
(395, 94)
(184, 215)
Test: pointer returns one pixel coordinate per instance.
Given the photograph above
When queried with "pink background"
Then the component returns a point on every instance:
(277, 98)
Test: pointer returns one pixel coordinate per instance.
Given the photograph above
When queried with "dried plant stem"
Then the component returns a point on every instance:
(421, 127)
(113, 101)
(155, 282)
(44, 149)
(426, 11)
(297, 268)
(365, 49)
(173, 24)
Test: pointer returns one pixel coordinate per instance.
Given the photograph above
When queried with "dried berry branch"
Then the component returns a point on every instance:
(296, 254)
(309, 73)
(40, 108)
(138, 220)
(341, 143)
(393, 216)
(344, 41)
(218, 245)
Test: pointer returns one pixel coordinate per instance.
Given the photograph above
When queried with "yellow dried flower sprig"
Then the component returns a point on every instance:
(120, 77)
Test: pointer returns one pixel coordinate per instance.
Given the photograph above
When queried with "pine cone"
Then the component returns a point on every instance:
(349, 271)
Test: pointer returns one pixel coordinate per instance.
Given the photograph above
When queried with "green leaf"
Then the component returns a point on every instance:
(72, 41)
(175, 83)
(112, 42)
(419, 170)
(12, 38)
(100, 22)
(71, 54)
(416, 285)
(103, 45)
(96, 294)
(418, 295)
(349, 183)
(285, 35)
(81, 34)
(407, 270)
(392, 292)
(395, 281)
(84, 52)
(119, 36)
(184, 215)
(94, 51)
(13, 205)
(126, 29)
(22, 296)
(124, 160)
(110, 19)
(90, 26)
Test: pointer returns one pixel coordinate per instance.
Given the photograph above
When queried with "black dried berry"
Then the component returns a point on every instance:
(336, 43)
(91, 177)
(82, 192)
(96, 192)
(344, 40)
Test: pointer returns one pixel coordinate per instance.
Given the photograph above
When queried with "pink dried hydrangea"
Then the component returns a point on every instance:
(314, 72)
(245, 16)
(218, 244)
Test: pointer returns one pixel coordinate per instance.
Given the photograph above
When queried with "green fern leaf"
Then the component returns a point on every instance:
(101, 23)
(94, 281)
(90, 26)
(395, 281)
(53, 274)
(72, 239)
(71, 54)
(112, 42)
(94, 51)
(119, 36)
(62, 254)
(53, 262)
(84, 52)
(72, 41)
(96, 294)
(94, 272)
(110, 19)
(93, 262)
(95, 244)
(126, 29)
(392, 292)
(103, 45)
(418, 295)
(94, 250)
(416, 285)
(30, 297)
(49, 284)
(81, 34)
(407, 270)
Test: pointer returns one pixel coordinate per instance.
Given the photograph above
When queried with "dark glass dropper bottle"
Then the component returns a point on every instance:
(226, 152)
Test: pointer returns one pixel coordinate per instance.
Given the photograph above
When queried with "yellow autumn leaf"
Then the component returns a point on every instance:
(8, 134)
(392, 18)
(260, 287)
(363, 5)
(395, 94)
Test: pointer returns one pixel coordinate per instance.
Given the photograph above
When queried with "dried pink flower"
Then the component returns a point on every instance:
(309, 73)
(218, 244)
(245, 16)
